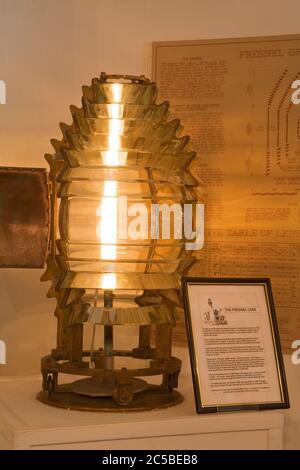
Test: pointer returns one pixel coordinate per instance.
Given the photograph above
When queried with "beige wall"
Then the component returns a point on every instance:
(48, 49)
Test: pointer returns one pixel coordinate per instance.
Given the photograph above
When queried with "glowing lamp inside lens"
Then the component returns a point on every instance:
(108, 205)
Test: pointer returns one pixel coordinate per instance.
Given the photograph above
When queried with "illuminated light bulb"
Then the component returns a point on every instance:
(108, 208)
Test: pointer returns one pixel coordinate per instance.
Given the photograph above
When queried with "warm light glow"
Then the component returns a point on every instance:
(116, 128)
(114, 158)
(108, 225)
(117, 91)
(115, 110)
(109, 281)
(108, 207)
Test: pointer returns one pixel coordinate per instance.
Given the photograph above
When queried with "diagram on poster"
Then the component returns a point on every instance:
(234, 97)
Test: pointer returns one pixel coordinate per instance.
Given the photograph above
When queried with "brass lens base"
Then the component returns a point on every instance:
(144, 401)
(96, 387)
(110, 390)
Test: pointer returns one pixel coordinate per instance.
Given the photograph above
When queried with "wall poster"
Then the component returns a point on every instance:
(234, 97)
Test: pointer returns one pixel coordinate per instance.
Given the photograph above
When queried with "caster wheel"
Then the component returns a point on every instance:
(172, 382)
(123, 395)
(50, 385)
(44, 384)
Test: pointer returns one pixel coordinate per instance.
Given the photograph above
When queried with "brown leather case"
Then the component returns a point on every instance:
(24, 217)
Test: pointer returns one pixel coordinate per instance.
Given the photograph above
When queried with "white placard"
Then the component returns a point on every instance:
(234, 345)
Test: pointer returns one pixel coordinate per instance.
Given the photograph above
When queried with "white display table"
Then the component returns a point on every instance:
(27, 424)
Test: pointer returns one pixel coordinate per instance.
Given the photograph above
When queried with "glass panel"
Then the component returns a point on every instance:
(141, 158)
(127, 93)
(114, 267)
(126, 252)
(130, 189)
(128, 111)
(121, 144)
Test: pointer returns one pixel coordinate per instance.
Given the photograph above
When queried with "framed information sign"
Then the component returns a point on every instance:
(234, 345)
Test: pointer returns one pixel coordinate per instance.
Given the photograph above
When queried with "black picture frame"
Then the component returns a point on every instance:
(200, 405)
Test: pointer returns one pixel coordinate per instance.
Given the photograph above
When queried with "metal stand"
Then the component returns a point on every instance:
(106, 388)
(108, 360)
